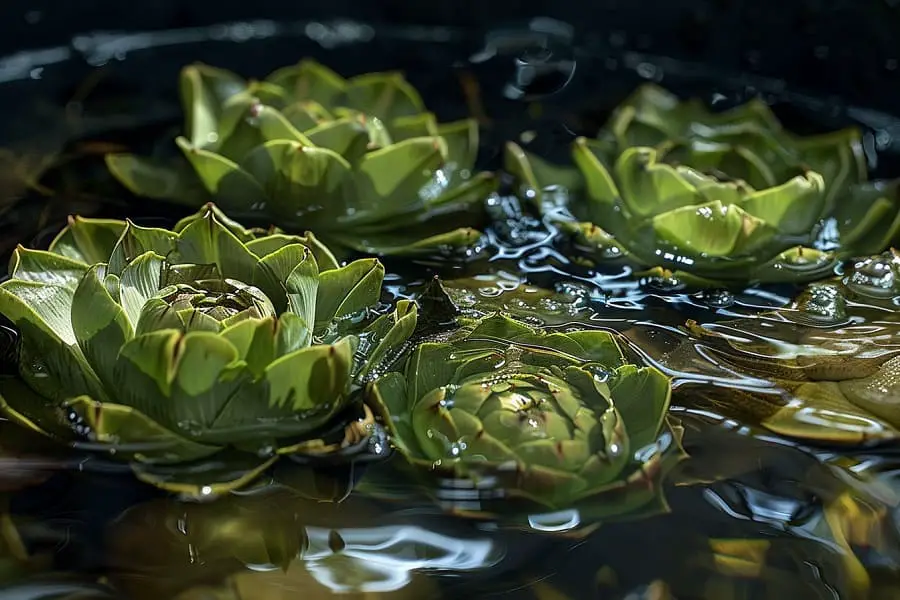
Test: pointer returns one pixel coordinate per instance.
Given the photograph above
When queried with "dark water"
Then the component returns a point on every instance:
(750, 515)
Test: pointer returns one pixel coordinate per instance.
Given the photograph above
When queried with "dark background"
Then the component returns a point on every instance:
(845, 47)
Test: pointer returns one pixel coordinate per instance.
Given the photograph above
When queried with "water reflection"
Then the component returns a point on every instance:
(164, 546)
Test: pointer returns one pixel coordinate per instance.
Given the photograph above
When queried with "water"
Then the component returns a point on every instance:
(763, 508)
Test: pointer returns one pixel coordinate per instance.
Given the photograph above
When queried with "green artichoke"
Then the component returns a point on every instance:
(714, 196)
(551, 418)
(170, 347)
(824, 368)
(359, 162)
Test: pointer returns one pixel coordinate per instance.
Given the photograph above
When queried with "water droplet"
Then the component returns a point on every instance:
(717, 298)
(664, 282)
(456, 449)
(38, 368)
(600, 373)
(822, 304)
(875, 276)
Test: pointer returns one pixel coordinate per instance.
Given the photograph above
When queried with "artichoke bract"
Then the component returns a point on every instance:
(359, 162)
(714, 196)
(168, 347)
(551, 418)
(826, 367)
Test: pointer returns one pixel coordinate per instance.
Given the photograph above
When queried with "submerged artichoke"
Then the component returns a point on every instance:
(357, 161)
(825, 368)
(167, 347)
(719, 196)
(550, 418)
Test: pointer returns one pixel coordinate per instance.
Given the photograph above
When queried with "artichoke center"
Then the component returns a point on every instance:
(219, 299)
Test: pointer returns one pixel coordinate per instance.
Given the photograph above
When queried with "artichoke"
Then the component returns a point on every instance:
(171, 349)
(360, 162)
(550, 418)
(824, 368)
(714, 196)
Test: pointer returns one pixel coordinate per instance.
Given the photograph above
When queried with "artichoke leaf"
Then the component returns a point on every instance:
(821, 411)
(247, 124)
(648, 186)
(211, 211)
(204, 91)
(642, 397)
(292, 333)
(139, 282)
(712, 229)
(254, 341)
(463, 196)
(349, 137)
(50, 361)
(796, 264)
(498, 329)
(309, 80)
(421, 125)
(137, 240)
(389, 180)
(293, 276)
(260, 341)
(23, 406)
(315, 379)
(598, 183)
(412, 246)
(535, 173)
(264, 246)
(89, 241)
(390, 393)
(156, 178)
(388, 334)
(126, 430)
(228, 471)
(740, 163)
(40, 266)
(838, 156)
(868, 219)
(182, 381)
(793, 207)
(462, 143)
(387, 96)
(208, 241)
(597, 346)
(101, 325)
(347, 290)
(232, 186)
(306, 115)
(296, 178)
(878, 392)
(430, 366)
(463, 203)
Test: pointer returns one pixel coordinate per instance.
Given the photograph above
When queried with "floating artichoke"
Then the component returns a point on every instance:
(717, 196)
(359, 162)
(547, 418)
(826, 367)
(203, 342)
